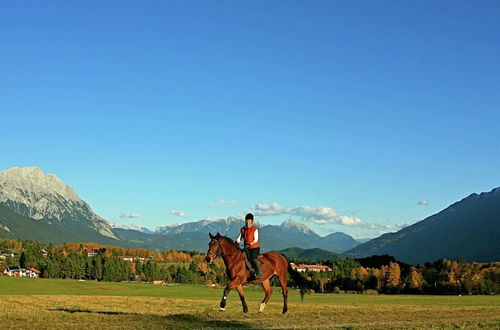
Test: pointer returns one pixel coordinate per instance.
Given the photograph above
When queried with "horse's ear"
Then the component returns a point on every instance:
(218, 235)
(211, 236)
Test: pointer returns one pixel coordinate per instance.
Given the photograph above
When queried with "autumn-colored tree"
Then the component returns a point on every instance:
(416, 279)
(393, 278)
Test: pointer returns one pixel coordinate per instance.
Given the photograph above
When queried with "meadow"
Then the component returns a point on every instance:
(70, 304)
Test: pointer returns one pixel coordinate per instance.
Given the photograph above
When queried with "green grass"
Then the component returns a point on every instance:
(74, 304)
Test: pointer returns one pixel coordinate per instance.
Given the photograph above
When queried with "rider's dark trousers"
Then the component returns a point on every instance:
(252, 255)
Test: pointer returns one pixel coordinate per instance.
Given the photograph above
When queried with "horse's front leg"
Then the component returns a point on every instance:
(239, 288)
(233, 284)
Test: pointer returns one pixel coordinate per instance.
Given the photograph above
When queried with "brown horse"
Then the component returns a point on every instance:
(271, 264)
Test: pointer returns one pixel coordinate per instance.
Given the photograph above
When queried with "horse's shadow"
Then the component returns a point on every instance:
(180, 320)
(79, 310)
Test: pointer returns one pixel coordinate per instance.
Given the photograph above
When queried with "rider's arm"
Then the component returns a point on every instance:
(238, 240)
(255, 237)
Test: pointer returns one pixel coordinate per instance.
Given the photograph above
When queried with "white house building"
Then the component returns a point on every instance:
(17, 271)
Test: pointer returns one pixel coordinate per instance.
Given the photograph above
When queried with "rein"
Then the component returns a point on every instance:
(216, 254)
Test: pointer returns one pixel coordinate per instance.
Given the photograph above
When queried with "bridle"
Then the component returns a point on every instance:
(219, 251)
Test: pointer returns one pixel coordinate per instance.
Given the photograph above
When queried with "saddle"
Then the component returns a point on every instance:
(247, 262)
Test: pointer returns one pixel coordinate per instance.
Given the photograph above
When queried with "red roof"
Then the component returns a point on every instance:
(311, 267)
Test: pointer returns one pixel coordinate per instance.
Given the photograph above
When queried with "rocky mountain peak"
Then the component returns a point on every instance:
(27, 184)
(294, 225)
(30, 192)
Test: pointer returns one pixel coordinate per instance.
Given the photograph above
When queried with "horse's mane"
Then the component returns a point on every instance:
(236, 245)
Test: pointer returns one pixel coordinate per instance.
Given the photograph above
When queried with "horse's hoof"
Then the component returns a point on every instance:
(245, 310)
(261, 307)
(222, 309)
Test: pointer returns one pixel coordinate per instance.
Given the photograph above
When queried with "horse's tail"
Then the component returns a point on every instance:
(303, 283)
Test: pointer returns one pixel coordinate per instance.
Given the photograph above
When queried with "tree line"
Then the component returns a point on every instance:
(91, 261)
(391, 277)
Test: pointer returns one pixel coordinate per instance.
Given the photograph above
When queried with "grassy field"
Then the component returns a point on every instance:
(68, 304)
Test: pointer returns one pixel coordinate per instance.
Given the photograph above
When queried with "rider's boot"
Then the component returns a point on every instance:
(257, 269)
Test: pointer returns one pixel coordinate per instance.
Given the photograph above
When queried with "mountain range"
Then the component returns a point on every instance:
(469, 228)
(39, 206)
(289, 234)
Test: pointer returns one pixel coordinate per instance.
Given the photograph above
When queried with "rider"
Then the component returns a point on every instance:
(250, 235)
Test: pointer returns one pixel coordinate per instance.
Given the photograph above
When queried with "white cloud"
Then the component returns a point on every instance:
(311, 212)
(269, 209)
(129, 216)
(181, 214)
(320, 215)
(423, 202)
(228, 202)
(350, 220)
(323, 215)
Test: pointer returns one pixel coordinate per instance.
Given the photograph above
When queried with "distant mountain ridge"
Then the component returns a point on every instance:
(289, 233)
(39, 206)
(469, 228)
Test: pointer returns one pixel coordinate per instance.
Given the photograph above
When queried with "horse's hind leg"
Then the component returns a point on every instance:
(284, 290)
(267, 288)
(239, 288)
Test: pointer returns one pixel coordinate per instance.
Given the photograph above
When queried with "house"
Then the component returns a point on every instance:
(8, 253)
(17, 271)
(127, 258)
(310, 268)
(14, 271)
(91, 252)
(33, 273)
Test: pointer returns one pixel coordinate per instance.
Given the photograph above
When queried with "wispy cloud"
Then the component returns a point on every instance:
(321, 215)
(423, 202)
(269, 209)
(129, 216)
(228, 202)
(178, 213)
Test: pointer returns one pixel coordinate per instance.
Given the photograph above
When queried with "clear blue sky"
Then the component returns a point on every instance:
(216, 108)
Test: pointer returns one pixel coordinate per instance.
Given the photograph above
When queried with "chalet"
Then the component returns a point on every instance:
(33, 273)
(8, 253)
(127, 258)
(310, 268)
(17, 271)
(91, 252)
(14, 271)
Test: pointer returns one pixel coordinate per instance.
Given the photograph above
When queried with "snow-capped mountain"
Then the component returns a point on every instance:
(39, 206)
(44, 197)
(194, 235)
(294, 226)
(132, 227)
(224, 226)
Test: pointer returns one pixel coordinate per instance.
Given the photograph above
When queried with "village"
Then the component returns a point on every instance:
(31, 272)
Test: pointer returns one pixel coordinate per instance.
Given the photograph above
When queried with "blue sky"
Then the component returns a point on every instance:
(352, 116)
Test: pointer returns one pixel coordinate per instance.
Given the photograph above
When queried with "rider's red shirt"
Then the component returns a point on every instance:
(248, 236)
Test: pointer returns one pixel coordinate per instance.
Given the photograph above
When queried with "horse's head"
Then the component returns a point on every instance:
(214, 248)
